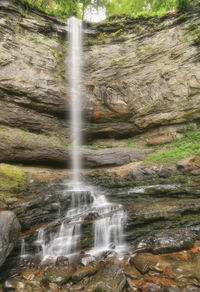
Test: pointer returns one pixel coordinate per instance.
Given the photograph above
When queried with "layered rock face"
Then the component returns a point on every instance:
(144, 73)
(33, 95)
(138, 74)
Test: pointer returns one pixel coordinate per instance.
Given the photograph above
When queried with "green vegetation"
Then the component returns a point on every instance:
(146, 7)
(96, 41)
(116, 33)
(103, 144)
(129, 142)
(12, 179)
(193, 32)
(181, 18)
(95, 146)
(118, 62)
(140, 50)
(67, 8)
(188, 145)
(60, 8)
(183, 5)
(27, 138)
(60, 62)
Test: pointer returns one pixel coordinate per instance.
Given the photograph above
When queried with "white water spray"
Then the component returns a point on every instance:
(108, 228)
(74, 69)
(23, 248)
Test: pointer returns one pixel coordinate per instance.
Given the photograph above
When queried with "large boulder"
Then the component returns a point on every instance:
(9, 232)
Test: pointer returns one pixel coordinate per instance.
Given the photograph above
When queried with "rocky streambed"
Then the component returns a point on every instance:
(162, 233)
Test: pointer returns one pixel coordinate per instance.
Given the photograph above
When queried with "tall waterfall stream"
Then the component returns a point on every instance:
(107, 218)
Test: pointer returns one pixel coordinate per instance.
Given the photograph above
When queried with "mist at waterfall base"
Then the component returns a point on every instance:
(86, 204)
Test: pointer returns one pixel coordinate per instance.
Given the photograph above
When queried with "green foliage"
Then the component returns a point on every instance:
(182, 18)
(12, 179)
(99, 40)
(193, 32)
(145, 7)
(183, 5)
(118, 62)
(60, 8)
(129, 142)
(116, 33)
(188, 145)
(66, 8)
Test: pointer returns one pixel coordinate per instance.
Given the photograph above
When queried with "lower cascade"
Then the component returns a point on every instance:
(86, 206)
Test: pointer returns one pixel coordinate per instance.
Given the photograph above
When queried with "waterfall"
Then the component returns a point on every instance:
(108, 228)
(65, 242)
(107, 223)
(23, 248)
(108, 218)
(74, 69)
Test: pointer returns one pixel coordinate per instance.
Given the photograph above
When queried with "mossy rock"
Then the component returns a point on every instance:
(12, 179)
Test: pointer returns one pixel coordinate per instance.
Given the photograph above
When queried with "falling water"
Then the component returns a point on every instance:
(108, 227)
(74, 69)
(65, 241)
(23, 248)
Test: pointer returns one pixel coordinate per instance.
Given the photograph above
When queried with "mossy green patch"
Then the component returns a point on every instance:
(12, 179)
(130, 142)
(192, 32)
(116, 33)
(144, 49)
(118, 62)
(182, 18)
(59, 57)
(99, 40)
(188, 145)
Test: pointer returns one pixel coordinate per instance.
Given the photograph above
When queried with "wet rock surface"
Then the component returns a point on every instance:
(160, 218)
(170, 272)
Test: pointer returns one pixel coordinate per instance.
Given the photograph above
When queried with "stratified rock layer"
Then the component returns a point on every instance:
(138, 74)
(144, 73)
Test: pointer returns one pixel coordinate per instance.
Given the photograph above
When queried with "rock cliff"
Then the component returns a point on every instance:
(138, 74)
(144, 73)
